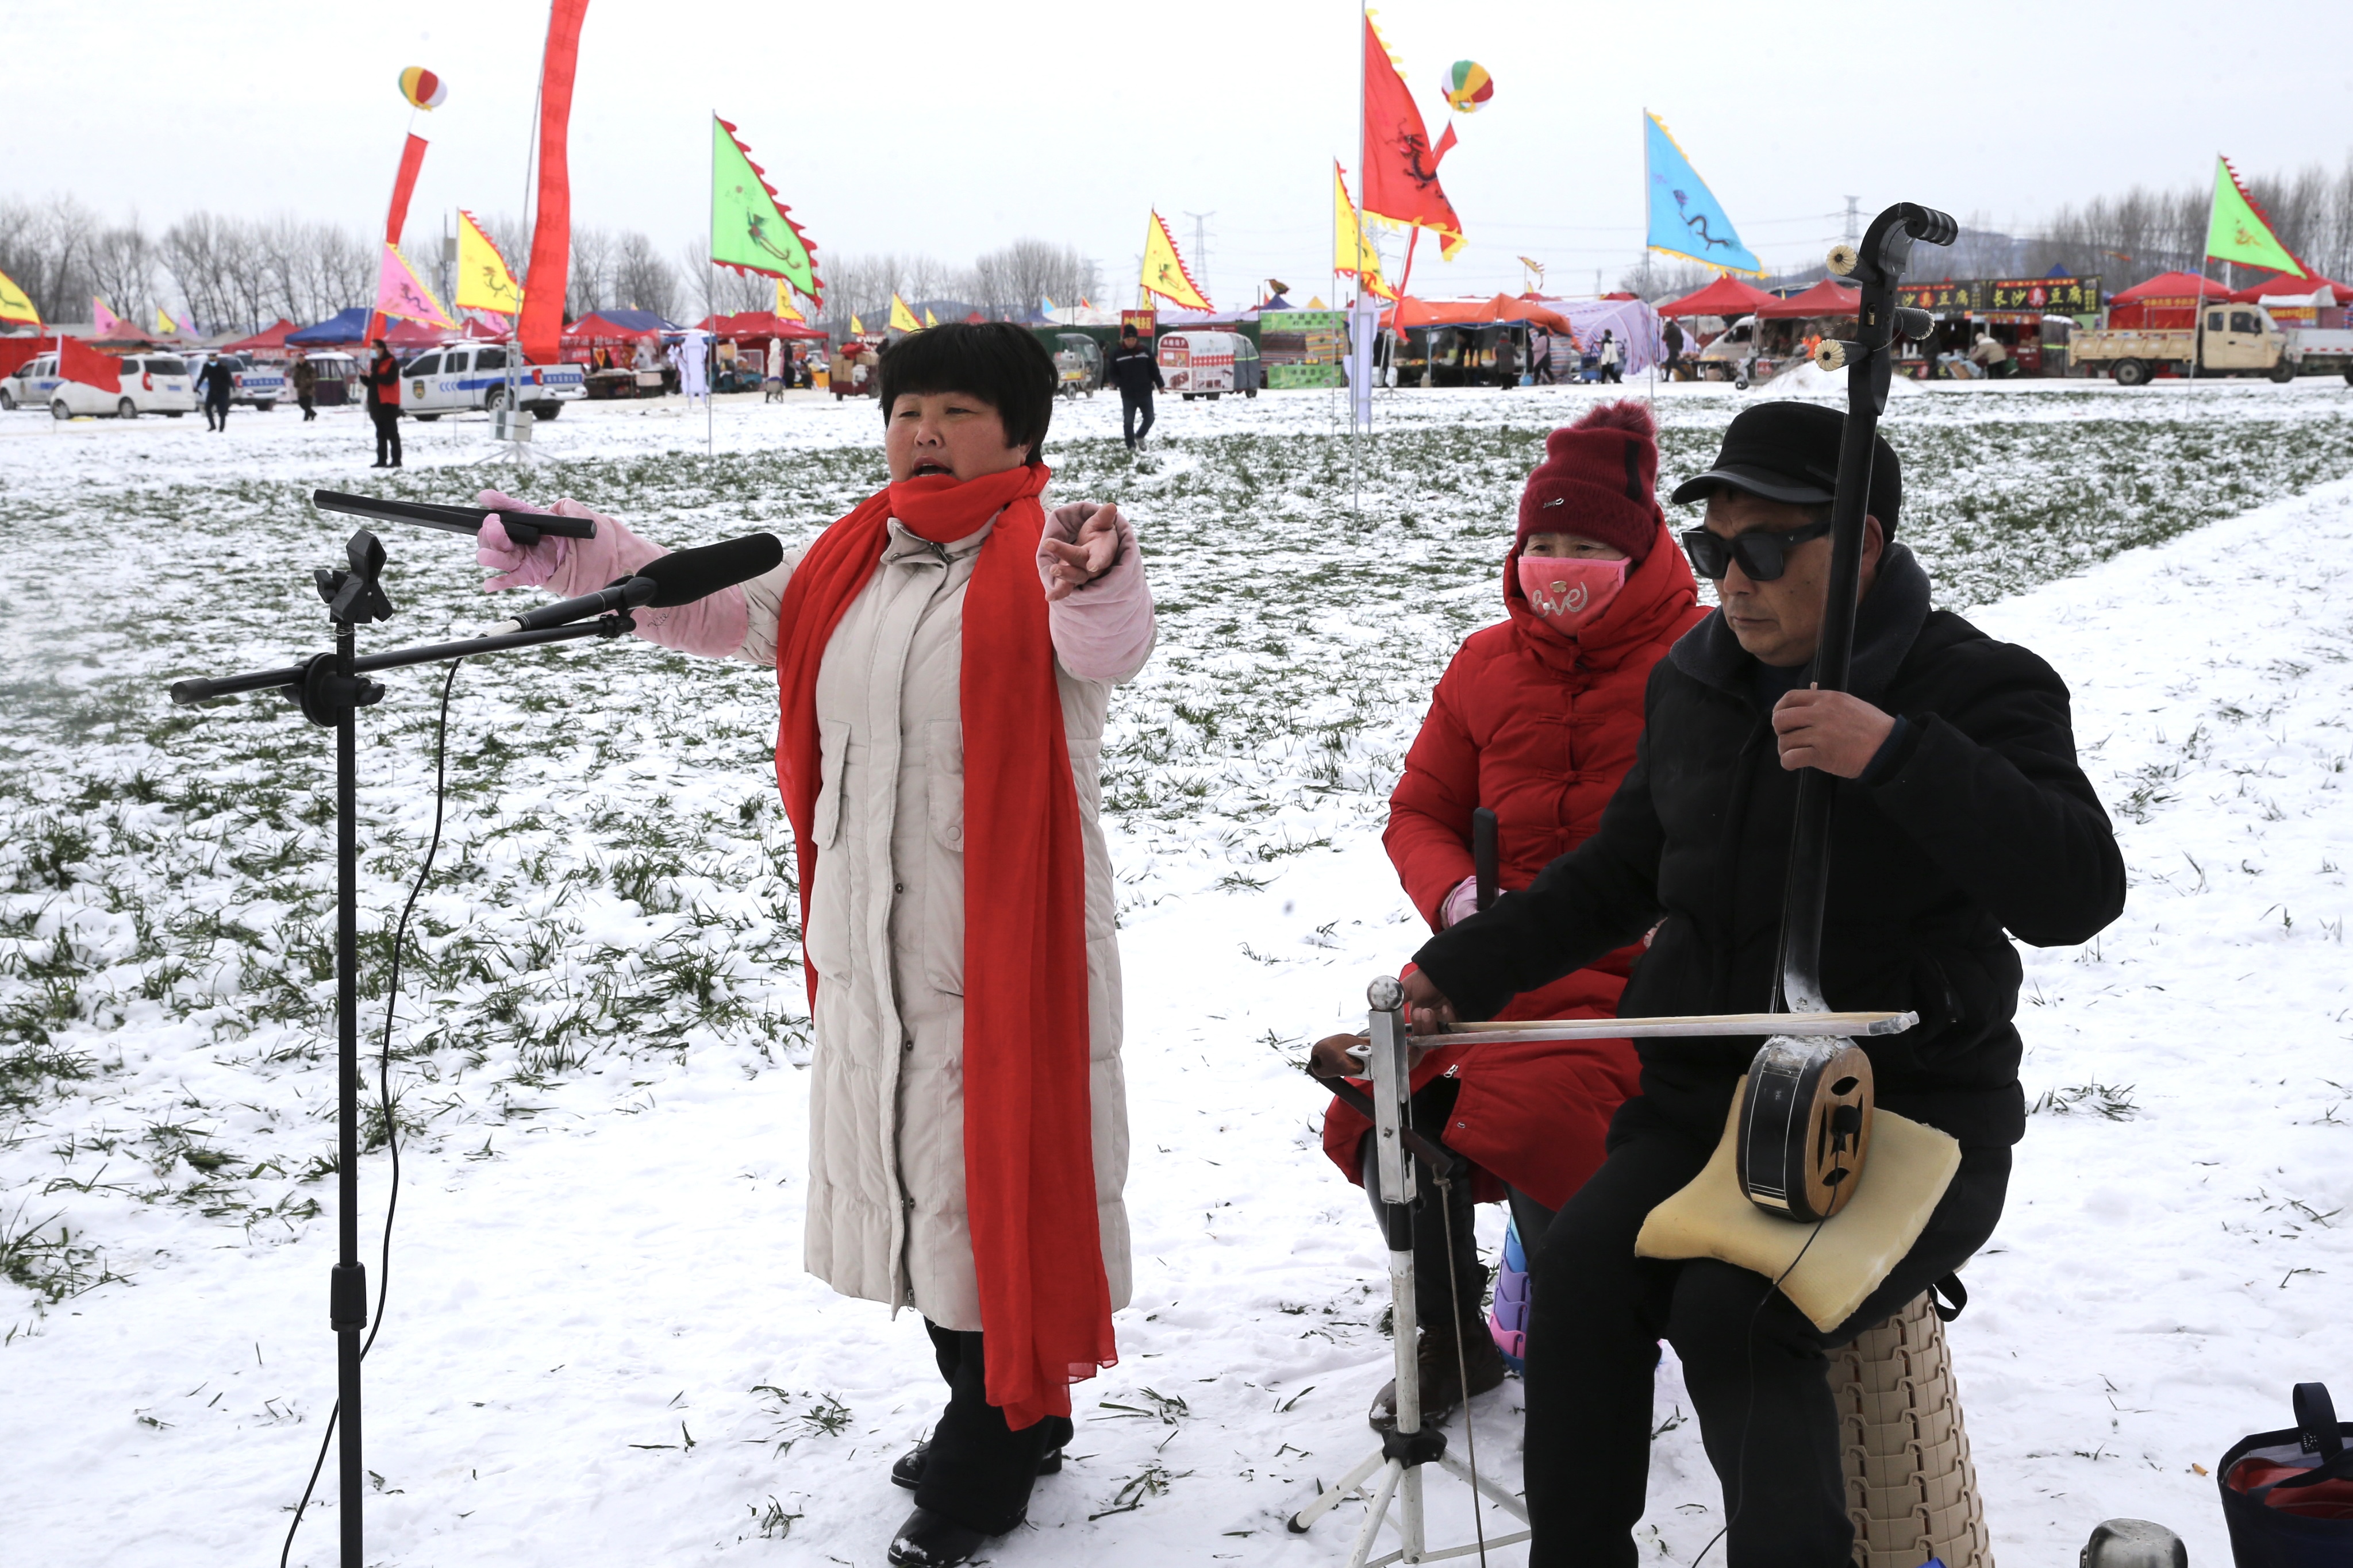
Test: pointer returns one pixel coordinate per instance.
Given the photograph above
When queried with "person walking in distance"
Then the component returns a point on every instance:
(305, 378)
(1671, 336)
(384, 406)
(1136, 373)
(216, 380)
(1613, 357)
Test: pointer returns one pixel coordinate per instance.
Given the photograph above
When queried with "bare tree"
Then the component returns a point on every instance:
(44, 247)
(642, 280)
(591, 280)
(711, 291)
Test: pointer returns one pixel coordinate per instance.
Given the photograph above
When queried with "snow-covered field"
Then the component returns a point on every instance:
(599, 1346)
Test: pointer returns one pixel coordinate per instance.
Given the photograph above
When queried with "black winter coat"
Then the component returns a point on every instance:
(1981, 822)
(1134, 371)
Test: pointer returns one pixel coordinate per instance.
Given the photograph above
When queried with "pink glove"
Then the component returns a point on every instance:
(1101, 624)
(1459, 905)
(713, 627)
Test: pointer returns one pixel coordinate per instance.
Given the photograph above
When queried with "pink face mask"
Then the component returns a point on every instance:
(1567, 593)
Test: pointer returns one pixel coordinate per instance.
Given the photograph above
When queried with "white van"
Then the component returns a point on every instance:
(149, 384)
(455, 380)
(1209, 364)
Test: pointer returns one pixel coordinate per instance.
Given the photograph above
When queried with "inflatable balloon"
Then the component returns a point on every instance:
(1468, 87)
(424, 91)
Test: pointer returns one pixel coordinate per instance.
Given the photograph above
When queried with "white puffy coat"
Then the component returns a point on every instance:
(886, 922)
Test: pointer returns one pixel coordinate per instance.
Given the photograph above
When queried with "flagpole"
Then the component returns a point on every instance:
(1364, 166)
(2198, 311)
(710, 299)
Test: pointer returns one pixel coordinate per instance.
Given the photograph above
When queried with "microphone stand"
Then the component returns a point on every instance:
(331, 688)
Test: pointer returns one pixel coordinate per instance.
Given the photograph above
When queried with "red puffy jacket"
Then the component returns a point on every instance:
(1539, 727)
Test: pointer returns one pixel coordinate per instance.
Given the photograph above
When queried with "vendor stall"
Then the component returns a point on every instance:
(1455, 342)
(609, 342)
(763, 347)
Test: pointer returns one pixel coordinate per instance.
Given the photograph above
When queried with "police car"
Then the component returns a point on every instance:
(150, 384)
(455, 380)
(254, 384)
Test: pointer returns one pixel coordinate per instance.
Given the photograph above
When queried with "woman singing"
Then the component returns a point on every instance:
(945, 657)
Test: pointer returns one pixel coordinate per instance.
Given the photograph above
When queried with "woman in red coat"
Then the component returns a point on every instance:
(1536, 720)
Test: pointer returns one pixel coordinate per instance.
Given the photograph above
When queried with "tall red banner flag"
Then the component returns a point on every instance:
(1401, 176)
(395, 218)
(539, 328)
(412, 159)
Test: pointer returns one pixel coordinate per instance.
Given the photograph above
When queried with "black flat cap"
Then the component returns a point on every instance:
(1789, 452)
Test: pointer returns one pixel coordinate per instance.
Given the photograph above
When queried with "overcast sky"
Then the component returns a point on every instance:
(953, 129)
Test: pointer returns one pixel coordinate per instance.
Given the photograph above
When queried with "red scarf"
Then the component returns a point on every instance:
(1029, 1179)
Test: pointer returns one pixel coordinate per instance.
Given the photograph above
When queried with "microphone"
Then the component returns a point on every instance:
(679, 578)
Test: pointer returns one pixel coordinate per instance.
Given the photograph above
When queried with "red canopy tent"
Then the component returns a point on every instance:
(2169, 299)
(414, 337)
(760, 324)
(271, 339)
(2169, 288)
(2288, 285)
(1726, 296)
(1826, 298)
(1409, 312)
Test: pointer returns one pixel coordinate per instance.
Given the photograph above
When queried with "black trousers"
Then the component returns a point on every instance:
(307, 406)
(1435, 1292)
(215, 414)
(1753, 1362)
(387, 434)
(979, 1470)
(1136, 432)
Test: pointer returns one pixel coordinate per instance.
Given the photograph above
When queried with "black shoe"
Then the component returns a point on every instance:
(930, 1540)
(1441, 1376)
(909, 1471)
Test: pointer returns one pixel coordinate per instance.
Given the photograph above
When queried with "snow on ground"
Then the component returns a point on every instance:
(599, 1346)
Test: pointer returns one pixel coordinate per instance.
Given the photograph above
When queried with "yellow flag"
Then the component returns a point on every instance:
(1353, 255)
(857, 327)
(15, 305)
(930, 319)
(785, 309)
(163, 323)
(483, 281)
(1163, 270)
(902, 319)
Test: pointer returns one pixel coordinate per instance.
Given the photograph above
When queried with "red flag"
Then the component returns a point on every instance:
(77, 361)
(15, 353)
(1401, 166)
(1445, 140)
(540, 327)
(412, 159)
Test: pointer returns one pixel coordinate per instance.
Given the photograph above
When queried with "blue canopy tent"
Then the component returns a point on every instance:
(342, 327)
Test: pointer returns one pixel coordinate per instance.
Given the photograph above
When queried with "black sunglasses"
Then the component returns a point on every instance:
(1763, 556)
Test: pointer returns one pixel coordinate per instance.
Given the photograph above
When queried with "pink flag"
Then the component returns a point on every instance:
(108, 323)
(400, 294)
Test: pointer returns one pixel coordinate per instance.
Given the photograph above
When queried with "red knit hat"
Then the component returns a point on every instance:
(1600, 479)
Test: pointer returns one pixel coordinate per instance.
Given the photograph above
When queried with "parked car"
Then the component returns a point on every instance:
(148, 384)
(252, 383)
(454, 380)
(1210, 364)
(1732, 357)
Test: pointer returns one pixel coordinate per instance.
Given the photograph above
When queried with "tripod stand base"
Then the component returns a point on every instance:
(1393, 1475)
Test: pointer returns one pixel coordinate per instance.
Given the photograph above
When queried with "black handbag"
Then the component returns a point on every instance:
(2287, 1496)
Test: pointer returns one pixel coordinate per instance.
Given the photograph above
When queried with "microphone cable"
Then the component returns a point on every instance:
(384, 1090)
(1740, 1470)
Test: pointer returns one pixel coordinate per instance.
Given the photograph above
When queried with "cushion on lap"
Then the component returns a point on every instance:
(1897, 1189)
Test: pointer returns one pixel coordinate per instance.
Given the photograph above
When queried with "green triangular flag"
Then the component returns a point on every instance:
(2238, 233)
(748, 228)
